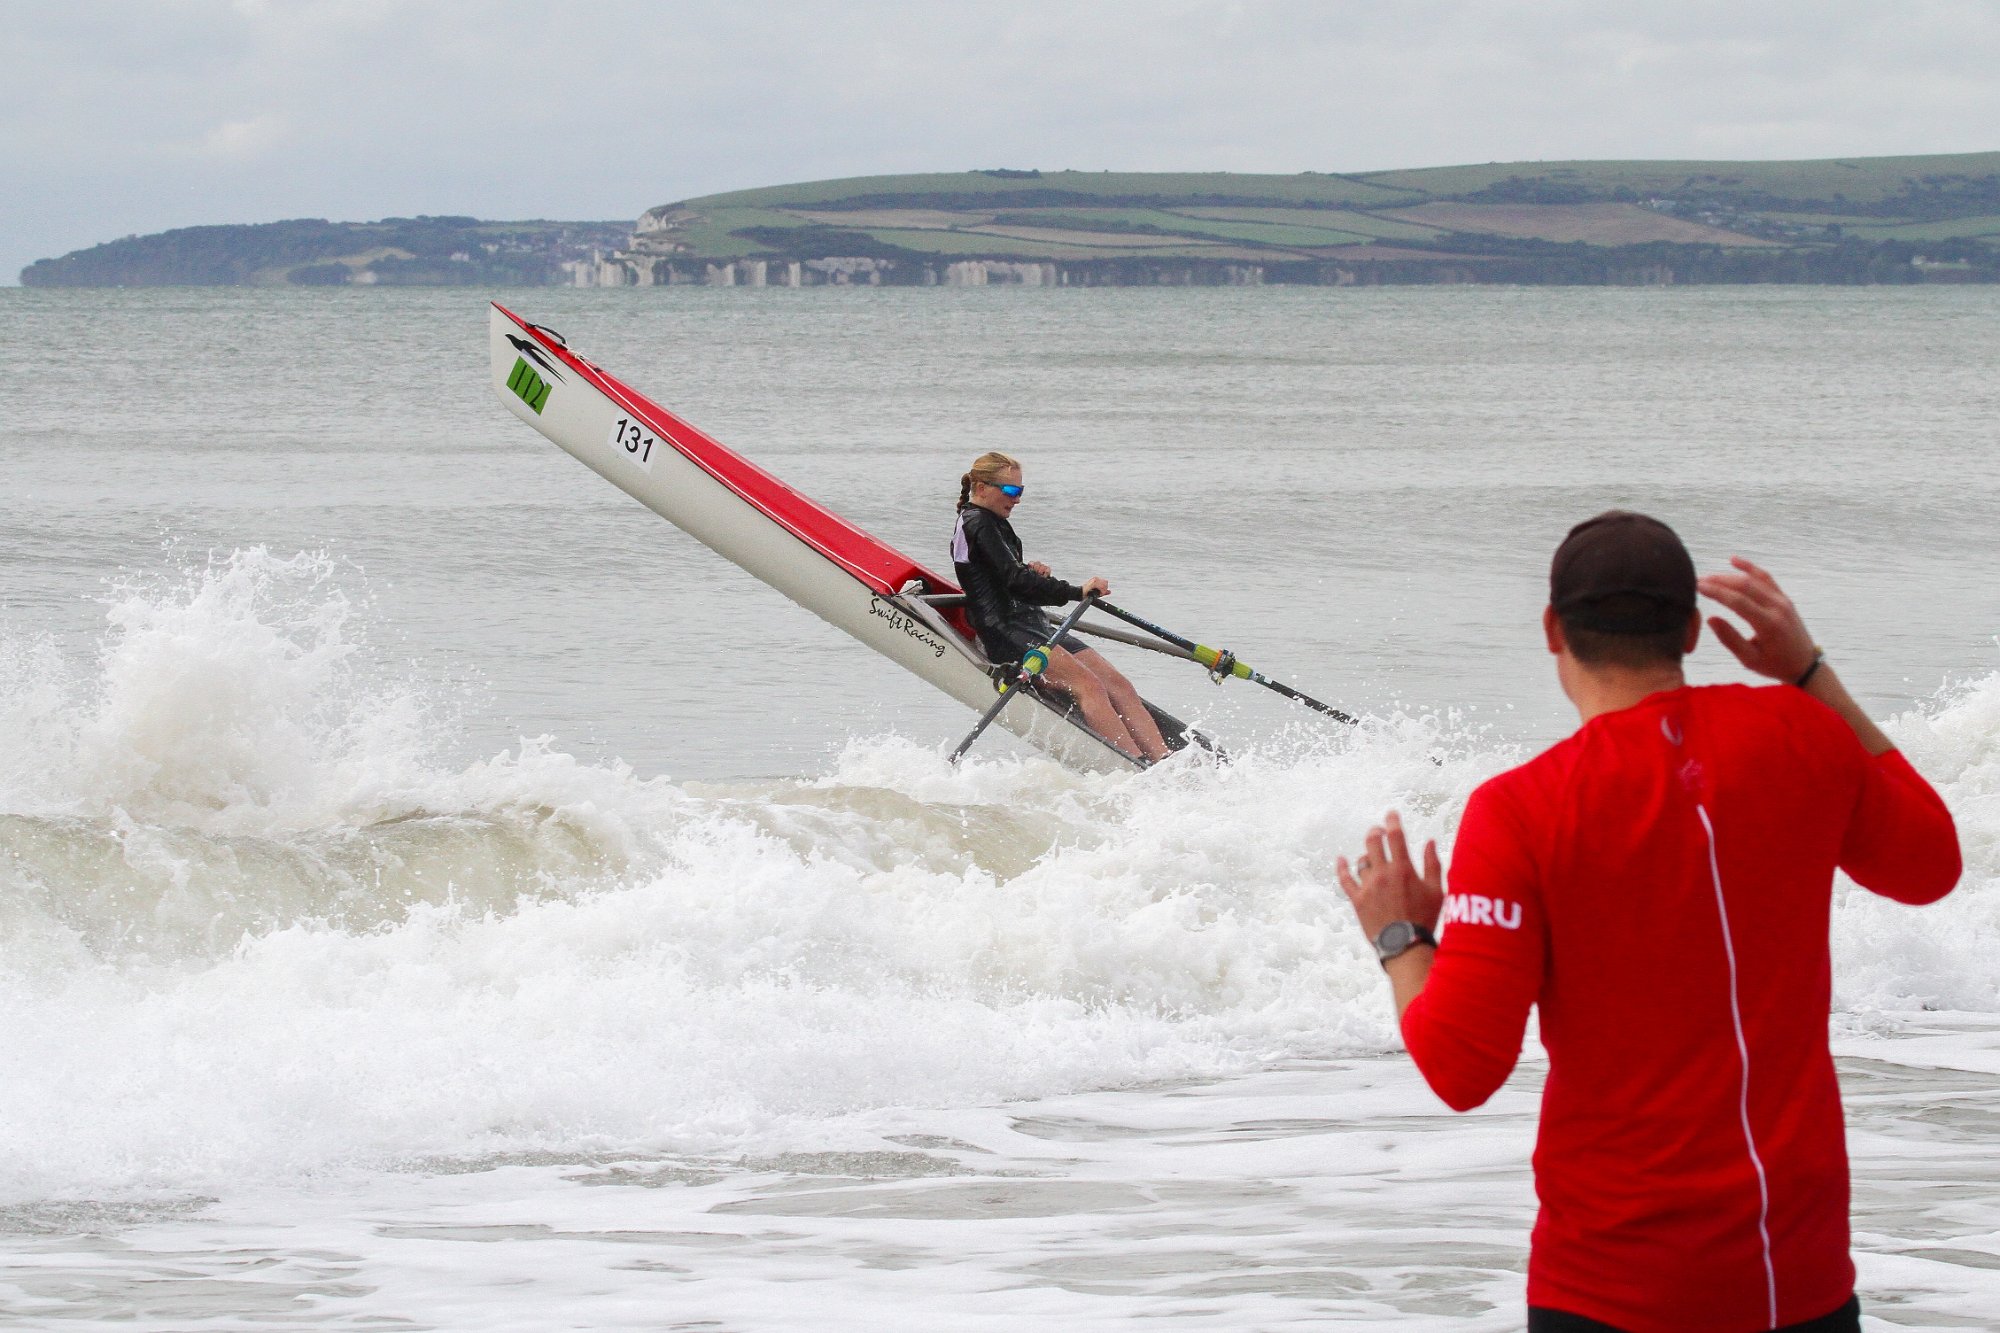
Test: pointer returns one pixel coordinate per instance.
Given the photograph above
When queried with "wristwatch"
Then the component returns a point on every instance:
(1399, 937)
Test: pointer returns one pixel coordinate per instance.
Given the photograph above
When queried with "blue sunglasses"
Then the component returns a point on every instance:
(1011, 492)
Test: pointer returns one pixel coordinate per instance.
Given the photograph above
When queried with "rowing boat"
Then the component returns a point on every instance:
(851, 580)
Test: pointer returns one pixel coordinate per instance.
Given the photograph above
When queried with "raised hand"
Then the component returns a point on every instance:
(1778, 644)
(1385, 885)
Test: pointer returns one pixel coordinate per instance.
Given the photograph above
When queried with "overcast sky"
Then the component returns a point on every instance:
(122, 116)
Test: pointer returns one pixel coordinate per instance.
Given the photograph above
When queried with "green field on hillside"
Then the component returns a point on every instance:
(1165, 222)
(1929, 231)
(1859, 180)
(990, 189)
(1370, 225)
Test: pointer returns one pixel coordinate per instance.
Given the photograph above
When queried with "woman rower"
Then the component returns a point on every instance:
(1004, 596)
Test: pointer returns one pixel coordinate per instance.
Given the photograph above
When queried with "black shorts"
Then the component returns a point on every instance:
(1009, 643)
(1847, 1319)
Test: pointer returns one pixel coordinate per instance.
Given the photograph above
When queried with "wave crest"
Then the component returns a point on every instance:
(254, 923)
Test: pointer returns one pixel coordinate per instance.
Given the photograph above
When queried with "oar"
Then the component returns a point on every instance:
(1221, 662)
(1146, 641)
(1032, 665)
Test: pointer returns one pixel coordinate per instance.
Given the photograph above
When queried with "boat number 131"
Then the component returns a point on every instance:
(635, 442)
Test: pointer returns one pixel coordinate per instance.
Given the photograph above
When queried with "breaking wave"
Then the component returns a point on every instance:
(254, 924)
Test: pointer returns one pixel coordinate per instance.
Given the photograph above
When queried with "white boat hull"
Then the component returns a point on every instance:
(728, 505)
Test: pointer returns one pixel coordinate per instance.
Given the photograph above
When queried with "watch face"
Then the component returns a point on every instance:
(1395, 937)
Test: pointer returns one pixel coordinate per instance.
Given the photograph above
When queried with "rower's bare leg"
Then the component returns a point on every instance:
(1125, 701)
(1092, 698)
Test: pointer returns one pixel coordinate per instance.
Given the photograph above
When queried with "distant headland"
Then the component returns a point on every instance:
(395, 252)
(1843, 220)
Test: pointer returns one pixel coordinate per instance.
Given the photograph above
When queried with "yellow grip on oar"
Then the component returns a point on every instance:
(1033, 663)
(1208, 657)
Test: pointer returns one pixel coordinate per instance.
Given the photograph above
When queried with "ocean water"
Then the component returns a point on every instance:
(435, 894)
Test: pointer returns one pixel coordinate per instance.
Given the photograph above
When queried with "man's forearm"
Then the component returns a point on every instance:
(1408, 971)
(1825, 686)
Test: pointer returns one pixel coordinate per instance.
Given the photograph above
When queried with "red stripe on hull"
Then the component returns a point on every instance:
(876, 564)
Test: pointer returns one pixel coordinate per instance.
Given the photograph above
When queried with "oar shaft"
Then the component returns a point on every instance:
(1305, 699)
(1176, 640)
(985, 720)
(1211, 657)
(1019, 683)
(1120, 636)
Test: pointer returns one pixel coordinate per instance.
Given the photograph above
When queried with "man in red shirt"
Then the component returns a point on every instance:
(1659, 884)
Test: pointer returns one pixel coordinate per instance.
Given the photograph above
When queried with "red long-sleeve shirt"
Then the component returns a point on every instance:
(1660, 884)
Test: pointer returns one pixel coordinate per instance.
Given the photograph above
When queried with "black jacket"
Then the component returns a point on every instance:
(1000, 589)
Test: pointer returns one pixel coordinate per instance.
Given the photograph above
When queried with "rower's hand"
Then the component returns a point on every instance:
(1778, 645)
(1385, 885)
(1039, 568)
(1099, 588)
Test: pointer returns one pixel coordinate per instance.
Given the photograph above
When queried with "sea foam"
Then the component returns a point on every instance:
(255, 925)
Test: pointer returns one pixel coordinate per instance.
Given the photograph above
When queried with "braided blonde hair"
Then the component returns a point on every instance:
(988, 468)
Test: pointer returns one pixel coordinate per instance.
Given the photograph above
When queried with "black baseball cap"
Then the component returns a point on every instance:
(1622, 573)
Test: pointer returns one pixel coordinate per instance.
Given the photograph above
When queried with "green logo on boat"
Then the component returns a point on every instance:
(529, 387)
